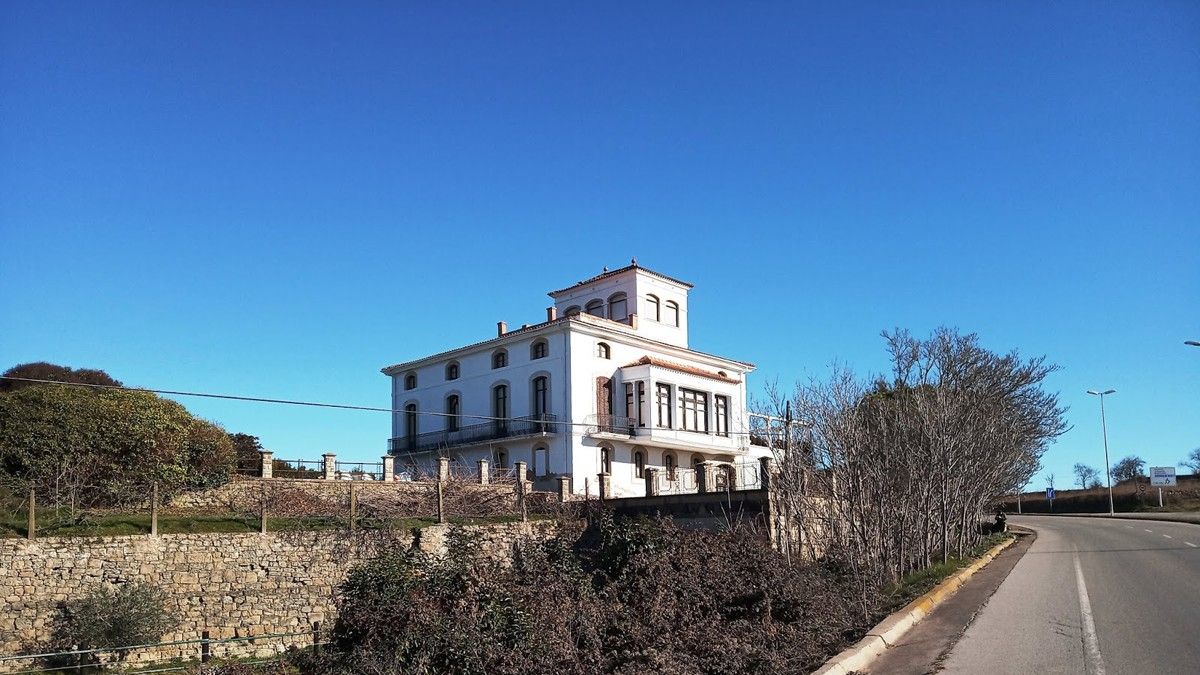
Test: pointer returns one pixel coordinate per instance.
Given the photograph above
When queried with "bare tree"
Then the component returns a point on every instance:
(1085, 476)
(1193, 461)
(908, 465)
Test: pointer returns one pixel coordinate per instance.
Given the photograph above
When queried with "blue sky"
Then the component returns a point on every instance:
(278, 199)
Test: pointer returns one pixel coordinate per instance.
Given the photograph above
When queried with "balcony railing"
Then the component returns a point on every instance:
(610, 424)
(531, 425)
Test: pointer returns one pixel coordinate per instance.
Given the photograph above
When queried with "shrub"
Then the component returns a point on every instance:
(128, 614)
(623, 597)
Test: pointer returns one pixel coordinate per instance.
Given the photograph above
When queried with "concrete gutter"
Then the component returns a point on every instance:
(889, 631)
(1163, 516)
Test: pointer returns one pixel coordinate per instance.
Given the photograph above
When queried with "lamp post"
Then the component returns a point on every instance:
(1104, 430)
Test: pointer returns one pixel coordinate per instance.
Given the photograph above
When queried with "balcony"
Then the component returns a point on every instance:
(517, 427)
(608, 426)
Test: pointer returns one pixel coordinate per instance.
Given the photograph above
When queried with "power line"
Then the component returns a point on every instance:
(315, 404)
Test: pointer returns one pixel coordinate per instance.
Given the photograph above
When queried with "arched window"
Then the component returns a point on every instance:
(618, 307)
(541, 397)
(603, 350)
(669, 465)
(499, 359)
(672, 314)
(639, 464)
(652, 307)
(452, 413)
(572, 311)
(410, 427)
(500, 408)
(410, 381)
(606, 460)
(500, 458)
(595, 308)
(541, 461)
(452, 370)
(539, 349)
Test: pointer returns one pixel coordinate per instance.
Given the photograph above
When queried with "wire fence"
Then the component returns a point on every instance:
(198, 651)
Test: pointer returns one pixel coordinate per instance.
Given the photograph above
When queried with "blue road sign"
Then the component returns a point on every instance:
(1049, 493)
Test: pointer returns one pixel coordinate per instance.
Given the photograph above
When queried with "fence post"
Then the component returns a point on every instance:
(31, 533)
(485, 475)
(605, 483)
(154, 510)
(316, 638)
(521, 497)
(564, 489)
(205, 648)
(443, 469)
(651, 475)
(353, 505)
(389, 468)
(330, 465)
(765, 468)
(262, 507)
(706, 477)
(268, 463)
(441, 502)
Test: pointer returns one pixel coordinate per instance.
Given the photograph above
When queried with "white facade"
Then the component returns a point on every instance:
(606, 384)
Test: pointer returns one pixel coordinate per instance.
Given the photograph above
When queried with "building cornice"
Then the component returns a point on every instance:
(605, 275)
(596, 326)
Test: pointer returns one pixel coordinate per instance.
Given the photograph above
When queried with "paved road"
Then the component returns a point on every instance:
(1092, 596)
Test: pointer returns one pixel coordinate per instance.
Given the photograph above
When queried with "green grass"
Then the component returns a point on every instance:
(14, 526)
(917, 583)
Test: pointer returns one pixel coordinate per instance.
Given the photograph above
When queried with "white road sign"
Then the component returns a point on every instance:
(1162, 476)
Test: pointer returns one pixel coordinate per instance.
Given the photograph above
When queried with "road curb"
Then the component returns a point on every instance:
(890, 630)
(1189, 518)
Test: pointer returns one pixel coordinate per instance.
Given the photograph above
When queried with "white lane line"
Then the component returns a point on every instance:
(1091, 645)
(1129, 527)
(1168, 536)
(1147, 530)
(1191, 544)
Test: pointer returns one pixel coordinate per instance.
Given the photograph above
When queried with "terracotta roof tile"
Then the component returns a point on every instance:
(610, 273)
(682, 368)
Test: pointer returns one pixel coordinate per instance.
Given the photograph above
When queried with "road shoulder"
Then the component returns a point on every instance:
(923, 648)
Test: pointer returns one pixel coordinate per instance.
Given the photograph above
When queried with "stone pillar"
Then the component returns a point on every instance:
(766, 471)
(268, 463)
(330, 465)
(651, 476)
(520, 467)
(523, 482)
(443, 469)
(485, 472)
(389, 468)
(564, 489)
(706, 477)
(605, 486)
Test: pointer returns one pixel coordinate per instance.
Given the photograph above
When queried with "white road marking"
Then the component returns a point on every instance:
(1129, 527)
(1091, 645)
(1147, 530)
(1191, 544)
(1168, 536)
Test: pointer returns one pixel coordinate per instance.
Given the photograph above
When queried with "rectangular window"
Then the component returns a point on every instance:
(630, 412)
(641, 403)
(695, 410)
(664, 405)
(721, 413)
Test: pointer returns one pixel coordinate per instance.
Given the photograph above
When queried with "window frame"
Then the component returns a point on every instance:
(453, 412)
(540, 349)
(499, 359)
(453, 371)
(410, 380)
(622, 298)
(672, 309)
(721, 415)
(593, 306)
(603, 350)
(639, 464)
(664, 402)
(500, 407)
(698, 408)
(655, 307)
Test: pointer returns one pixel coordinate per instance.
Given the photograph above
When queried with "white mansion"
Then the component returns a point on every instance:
(606, 384)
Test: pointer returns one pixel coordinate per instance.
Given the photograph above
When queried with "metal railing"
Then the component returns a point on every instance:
(358, 470)
(297, 468)
(610, 424)
(530, 425)
(677, 481)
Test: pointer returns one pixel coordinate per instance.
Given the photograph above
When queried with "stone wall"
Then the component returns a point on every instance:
(243, 494)
(225, 585)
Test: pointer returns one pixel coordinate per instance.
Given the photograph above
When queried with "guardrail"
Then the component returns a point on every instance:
(530, 425)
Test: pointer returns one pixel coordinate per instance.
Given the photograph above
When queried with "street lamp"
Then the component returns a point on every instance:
(1104, 430)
